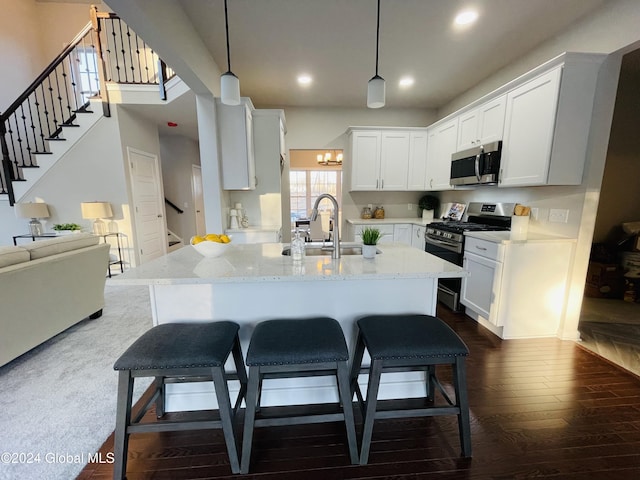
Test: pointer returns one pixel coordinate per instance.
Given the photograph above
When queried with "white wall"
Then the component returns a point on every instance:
(178, 155)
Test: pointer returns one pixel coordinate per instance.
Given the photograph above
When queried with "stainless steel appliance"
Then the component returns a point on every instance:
(446, 240)
(477, 165)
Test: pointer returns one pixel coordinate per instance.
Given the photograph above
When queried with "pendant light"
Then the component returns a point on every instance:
(376, 87)
(229, 83)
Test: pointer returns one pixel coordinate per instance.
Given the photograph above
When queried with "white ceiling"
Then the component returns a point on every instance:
(272, 41)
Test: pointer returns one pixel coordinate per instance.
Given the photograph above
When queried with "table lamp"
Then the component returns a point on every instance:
(97, 211)
(34, 211)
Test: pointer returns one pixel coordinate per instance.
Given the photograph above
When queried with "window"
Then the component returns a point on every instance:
(307, 185)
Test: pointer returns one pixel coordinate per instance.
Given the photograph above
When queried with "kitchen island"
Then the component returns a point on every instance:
(255, 282)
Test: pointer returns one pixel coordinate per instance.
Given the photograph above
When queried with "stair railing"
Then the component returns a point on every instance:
(105, 50)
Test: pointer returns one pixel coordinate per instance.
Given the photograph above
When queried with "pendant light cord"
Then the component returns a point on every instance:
(226, 24)
(377, 36)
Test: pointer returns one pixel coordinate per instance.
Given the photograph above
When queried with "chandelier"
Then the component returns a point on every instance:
(329, 158)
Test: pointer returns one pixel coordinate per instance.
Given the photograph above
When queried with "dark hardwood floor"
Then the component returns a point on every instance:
(541, 408)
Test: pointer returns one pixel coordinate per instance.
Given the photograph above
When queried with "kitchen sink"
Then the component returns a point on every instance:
(315, 249)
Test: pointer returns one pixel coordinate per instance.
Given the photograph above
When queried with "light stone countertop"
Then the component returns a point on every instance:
(387, 221)
(505, 237)
(265, 263)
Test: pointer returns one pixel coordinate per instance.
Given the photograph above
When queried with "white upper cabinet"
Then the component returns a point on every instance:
(235, 134)
(531, 118)
(394, 160)
(482, 125)
(387, 159)
(442, 143)
(418, 142)
(547, 124)
(365, 160)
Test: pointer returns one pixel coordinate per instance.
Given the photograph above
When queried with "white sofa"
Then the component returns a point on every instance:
(47, 286)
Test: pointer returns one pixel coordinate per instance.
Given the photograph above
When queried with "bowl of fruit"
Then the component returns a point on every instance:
(211, 245)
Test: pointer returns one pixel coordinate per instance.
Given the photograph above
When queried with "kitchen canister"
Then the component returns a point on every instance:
(519, 227)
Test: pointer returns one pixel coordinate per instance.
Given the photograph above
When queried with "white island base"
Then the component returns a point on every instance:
(255, 282)
(345, 301)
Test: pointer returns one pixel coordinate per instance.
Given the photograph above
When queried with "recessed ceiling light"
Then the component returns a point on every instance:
(406, 82)
(304, 79)
(466, 17)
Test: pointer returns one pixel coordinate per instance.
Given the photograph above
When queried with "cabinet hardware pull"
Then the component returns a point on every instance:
(382, 184)
(480, 248)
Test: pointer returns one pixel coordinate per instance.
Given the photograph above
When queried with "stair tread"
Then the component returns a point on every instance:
(41, 153)
(69, 125)
(55, 139)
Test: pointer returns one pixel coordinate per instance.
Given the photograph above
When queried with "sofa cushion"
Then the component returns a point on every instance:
(46, 248)
(13, 255)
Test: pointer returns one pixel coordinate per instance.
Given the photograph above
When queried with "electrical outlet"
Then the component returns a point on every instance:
(534, 213)
(558, 215)
(410, 206)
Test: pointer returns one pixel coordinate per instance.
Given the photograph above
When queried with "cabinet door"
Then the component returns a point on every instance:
(417, 160)
(439, 155)
(402, 233)
(528, 133)
(365, 161)
(417, 236)
(394, 160)
(468, 126)
(235, 131)
(480, 291)
(385, 229)
(491, 120)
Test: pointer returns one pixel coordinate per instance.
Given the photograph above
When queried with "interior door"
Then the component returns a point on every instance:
(198, 199)
(148, 205)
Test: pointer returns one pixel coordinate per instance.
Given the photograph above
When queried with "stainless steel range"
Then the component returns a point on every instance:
(446, 240)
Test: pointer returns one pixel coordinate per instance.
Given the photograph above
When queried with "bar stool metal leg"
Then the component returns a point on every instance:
(346, 396)
(370, 409)
(249, 417)
(460, 385)
(123, 419)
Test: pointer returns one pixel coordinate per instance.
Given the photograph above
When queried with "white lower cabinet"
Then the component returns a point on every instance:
(517, 289)
(386, 230)
(417, 236)
(402, 233)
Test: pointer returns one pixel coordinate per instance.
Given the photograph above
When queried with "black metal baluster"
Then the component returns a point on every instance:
(94, 59)
(65, 81)
(123, 53)
(138, 57)
(73, 59)
(26, 135)
(18, 161)
(110, 50)
(154, 65)
(132, 68)
(53, 106)
(88, 74)
(59, 96)
(146, 60)
(33, 127)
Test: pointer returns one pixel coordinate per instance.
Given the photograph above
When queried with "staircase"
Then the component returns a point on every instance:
(69, 97)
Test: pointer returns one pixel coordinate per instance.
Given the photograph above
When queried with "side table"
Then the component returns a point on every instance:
(32, 237)
(118, 245)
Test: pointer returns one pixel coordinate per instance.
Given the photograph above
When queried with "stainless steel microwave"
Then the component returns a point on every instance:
(477, 165)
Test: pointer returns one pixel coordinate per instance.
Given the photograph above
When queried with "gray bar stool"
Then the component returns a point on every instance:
(297, 348)
(180, 352)
(410, 343)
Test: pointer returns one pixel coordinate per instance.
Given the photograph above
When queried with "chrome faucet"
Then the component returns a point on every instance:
(336, 222)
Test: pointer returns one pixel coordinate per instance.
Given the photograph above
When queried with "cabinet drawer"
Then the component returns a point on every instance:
(484, 248)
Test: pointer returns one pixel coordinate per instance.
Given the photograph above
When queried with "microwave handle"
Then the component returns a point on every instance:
(478, 164)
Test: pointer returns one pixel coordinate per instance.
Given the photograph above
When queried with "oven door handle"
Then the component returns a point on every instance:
(446, 245)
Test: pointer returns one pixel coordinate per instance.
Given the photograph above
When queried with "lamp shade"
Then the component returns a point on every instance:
(376, 92)
(230, 89)
(31, 210)
(96, 210)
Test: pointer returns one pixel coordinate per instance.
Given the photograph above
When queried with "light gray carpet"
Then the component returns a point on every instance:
(59, 399)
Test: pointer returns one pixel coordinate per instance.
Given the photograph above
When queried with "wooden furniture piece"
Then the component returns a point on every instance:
(179, 352)
(409, 343)
(297, 348)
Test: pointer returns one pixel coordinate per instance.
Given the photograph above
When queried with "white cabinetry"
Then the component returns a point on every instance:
(417, 160)
(441, 145)
(385, 229)
(235, 134)
(547, 125)
(482, 125)
(402, 233)
(417, 236)
(387, 159)
(517, 289)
